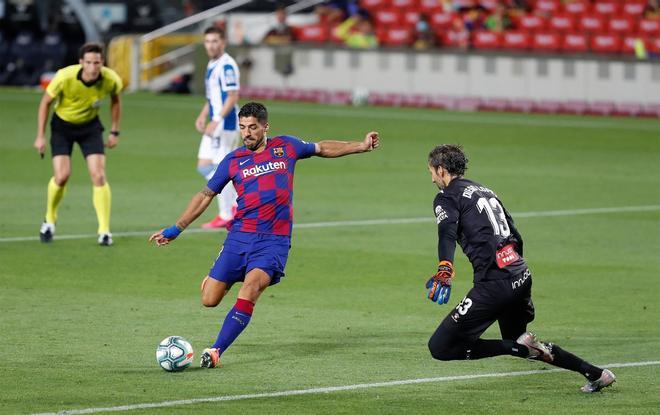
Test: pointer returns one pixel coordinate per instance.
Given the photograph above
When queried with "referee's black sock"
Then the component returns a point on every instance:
(489, 348)
(567, 360)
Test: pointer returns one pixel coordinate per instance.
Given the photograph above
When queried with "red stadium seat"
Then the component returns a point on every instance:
(374, 4)
(547, 6)
(395, 36)
(453, 39)
(605, 43)
(621, 25)
(606, 8)
(484, 39)
(546, 41)
(629, 41)
(562, 23)
(649, 26)
(634, 8)
(653, 45)
(387, 17)
(591, 23)
(531, 22)
(575, 42)
(516, 40)
(312, 33)
(464, 4)
(489, 4)
(430, 6)
(405, 4)
(411, 17)
(441, 20)
(577, 7)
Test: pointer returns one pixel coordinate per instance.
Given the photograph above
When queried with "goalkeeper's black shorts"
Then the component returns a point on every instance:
(507, 301)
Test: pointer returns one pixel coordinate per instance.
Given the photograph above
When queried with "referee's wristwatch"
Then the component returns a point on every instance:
(115, 133)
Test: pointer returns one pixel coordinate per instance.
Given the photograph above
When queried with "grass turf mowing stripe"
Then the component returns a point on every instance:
(328, 389)
(484, 118)
(371, 222)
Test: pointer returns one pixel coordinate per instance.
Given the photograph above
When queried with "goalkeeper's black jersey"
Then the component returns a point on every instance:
(473, 216)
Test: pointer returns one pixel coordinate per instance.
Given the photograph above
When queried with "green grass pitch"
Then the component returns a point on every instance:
(80, 323)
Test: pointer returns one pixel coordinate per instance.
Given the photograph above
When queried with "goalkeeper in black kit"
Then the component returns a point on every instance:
(473, 216)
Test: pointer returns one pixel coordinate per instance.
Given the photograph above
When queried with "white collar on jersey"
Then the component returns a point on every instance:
(214, 61)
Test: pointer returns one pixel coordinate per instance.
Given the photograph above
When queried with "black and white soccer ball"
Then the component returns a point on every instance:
(174, 354)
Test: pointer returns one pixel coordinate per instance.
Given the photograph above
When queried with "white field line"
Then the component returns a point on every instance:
(329, 389)
(424, 116)
(370, 222)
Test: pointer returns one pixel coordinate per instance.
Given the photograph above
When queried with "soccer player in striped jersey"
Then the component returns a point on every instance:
(218, 119)
(257, 246)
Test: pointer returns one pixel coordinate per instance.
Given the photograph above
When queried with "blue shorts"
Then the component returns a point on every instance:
(244, 251)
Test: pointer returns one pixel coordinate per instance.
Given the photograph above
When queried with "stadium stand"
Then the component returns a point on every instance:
(598, 26)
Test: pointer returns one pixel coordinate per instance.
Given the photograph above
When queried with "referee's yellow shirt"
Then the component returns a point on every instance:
(78, 102)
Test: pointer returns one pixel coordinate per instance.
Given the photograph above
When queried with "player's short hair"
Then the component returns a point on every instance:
(217, 30)
(449, 156)
(256, 110)
(91, 48)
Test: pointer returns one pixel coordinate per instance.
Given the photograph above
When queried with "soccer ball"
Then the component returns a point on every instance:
(174, 354)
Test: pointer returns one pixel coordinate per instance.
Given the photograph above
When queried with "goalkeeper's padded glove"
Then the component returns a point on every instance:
(439, 285)
(171, 232)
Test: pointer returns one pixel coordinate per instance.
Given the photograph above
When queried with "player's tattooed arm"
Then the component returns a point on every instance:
(196, 207)
(208, 192)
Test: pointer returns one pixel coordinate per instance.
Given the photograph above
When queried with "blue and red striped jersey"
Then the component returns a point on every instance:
(264, 184)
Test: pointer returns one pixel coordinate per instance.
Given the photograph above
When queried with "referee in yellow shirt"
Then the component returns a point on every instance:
(78, 91)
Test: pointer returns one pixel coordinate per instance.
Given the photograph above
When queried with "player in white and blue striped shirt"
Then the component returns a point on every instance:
(218, 119)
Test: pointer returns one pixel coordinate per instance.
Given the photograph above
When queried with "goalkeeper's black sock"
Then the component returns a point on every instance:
(489, 348)
(567, 360)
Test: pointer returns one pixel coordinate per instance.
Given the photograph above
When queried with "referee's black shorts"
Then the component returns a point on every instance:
(89, 137)
(507, 301)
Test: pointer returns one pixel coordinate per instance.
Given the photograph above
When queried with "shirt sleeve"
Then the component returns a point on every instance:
(221, 176)
(229, 77)
(118, 83)
(302, 148)
(518, 240)
(446, 215)
(55, 86)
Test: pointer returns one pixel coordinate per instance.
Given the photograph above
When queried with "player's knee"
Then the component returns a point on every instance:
(98, 178)
(439, 353)
(209, 300)
(251, 290)
(443, 349)
(61, 178)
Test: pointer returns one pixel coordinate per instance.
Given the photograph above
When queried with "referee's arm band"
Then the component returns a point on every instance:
(115, 133)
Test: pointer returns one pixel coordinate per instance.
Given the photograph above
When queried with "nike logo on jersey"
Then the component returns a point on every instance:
(240, 163)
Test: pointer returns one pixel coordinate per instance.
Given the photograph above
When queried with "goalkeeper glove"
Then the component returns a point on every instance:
(439, 285)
